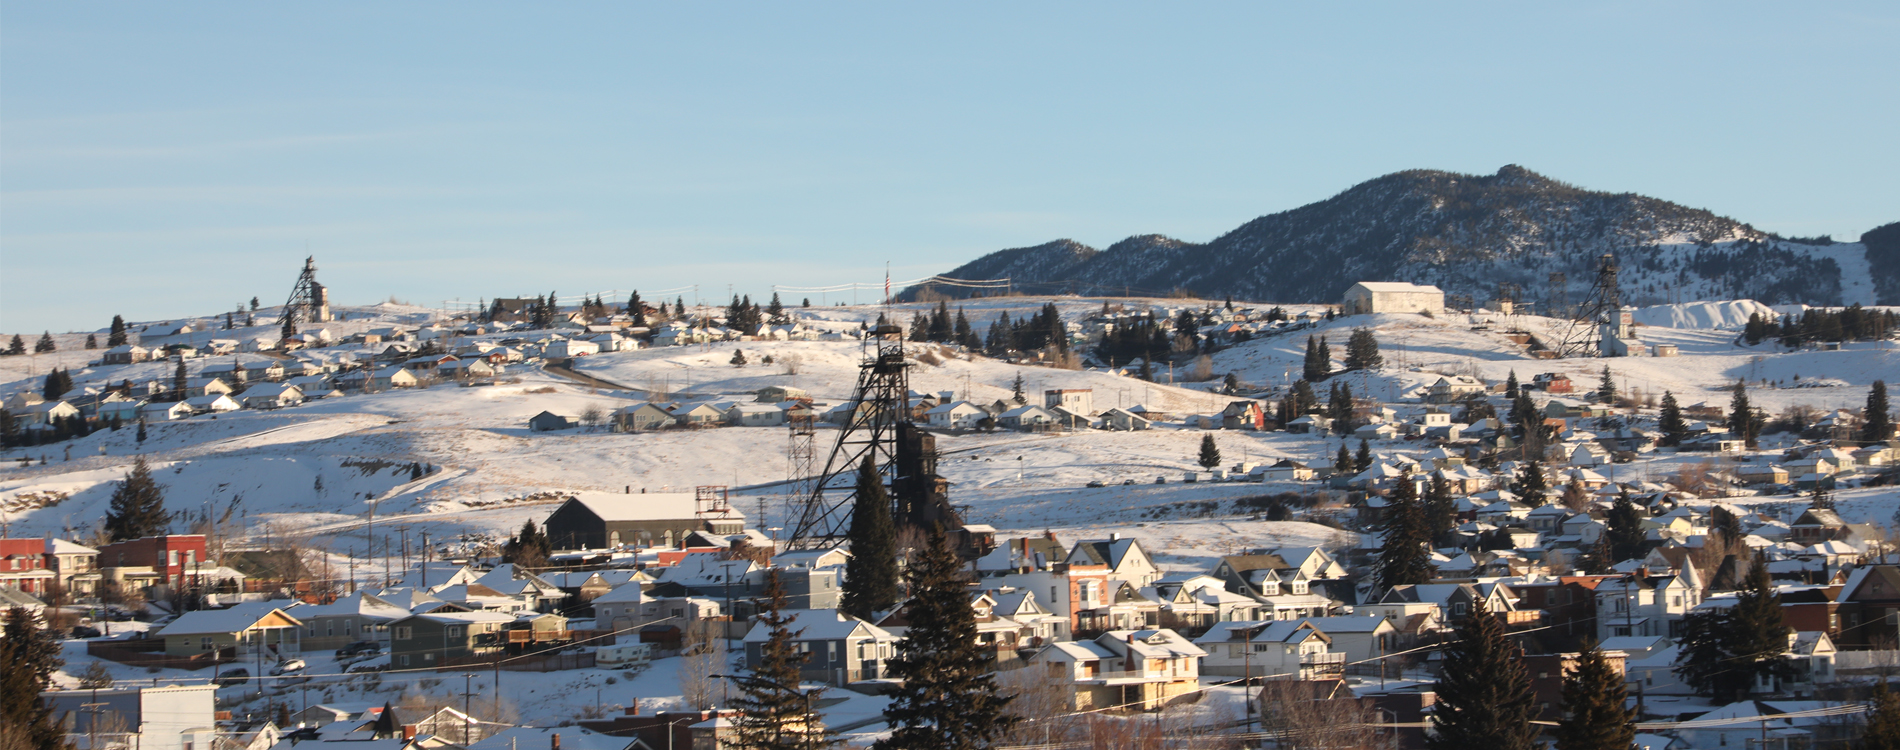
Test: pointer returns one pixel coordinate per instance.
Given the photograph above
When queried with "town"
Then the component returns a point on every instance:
(616, 523)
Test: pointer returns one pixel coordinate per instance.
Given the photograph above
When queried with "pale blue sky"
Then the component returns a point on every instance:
(165, 159)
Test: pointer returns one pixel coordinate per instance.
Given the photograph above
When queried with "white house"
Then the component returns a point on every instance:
(212, 404)
(960, 415)
(272, 396)
(392, 377)
(1275, 648)
(164, 411)
(1026, 418)
(1141, 669)
(755, 415)
(566, 348)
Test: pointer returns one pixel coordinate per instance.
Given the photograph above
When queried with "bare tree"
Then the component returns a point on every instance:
(592, 415)
(701, 657)
(1046, 703)
(1318, 714)
(96, 676)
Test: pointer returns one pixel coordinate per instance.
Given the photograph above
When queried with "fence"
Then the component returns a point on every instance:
(1867, 661)
(545, 662)
(150, 652)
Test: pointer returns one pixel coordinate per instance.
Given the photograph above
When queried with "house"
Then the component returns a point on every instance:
(1454, 388)
(262, 370)
(599, 520)
(755, 415)
(698, 415)
(465, 370)
(773, 394)
(357, 617)
(1869, 606)
(1270, 648)
(1134, 669)
(1029, 417)
(1552, 382)
(840, 649)
(1243, 415)
(1124, 559)
(641, 418)
(125, 354)
(271, 396)
(1076, 400)
(246, 629)
(1646, 606)
(164, 411)
(213, 404)
(75, 565)
(1119, 419)
(391, 377)
(1288, 470)
(548, 421)
(206, 387)
(1310, 424)
(44, 414)
(569, 348)
(1357, 638)
(24, 567)
(1368, 297)
(432, 639)
(959, 415)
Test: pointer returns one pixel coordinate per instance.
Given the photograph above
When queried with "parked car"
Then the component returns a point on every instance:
(288, 666)
(359, 648)
(232, 677)
(1097, 483)
(85, 631)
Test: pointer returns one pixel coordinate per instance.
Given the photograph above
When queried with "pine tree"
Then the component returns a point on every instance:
(1624, 529)
(1726, 526)
(1318, 366)
(1342, 463)
(1210, 453)
(230, 321)
(92, 341)
(1441, 509)
(1362, 350)
(1670, 423)
(738, 358)
(141, 435)
(45, 344)
(637, 310)
(776, 311)
(1511, 388)
(1363, 460)
(31, 654)
(940, 324)
(253, 304)
(1484, 693)
(1531, 485)
(1404, 551)
(529, 549)
(1606, 387)
(965, 335)
(1723, 653)
(1877, 418)
(774, 712)
(1016, 390)
(1339, 406)
(116, 335)
(948, 698)
(138, 506)
(871, 577)
(16, 346)
(1741, 417)
(1882, 731)
(1593, 701)
(180, 381)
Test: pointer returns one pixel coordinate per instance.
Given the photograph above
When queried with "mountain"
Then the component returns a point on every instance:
(1468, 234)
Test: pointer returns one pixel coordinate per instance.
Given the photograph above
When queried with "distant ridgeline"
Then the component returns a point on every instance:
(1467, 234)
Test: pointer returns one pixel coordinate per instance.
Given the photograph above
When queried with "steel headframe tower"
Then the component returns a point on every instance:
(881, 428)
(308, 296)
(1584, 336)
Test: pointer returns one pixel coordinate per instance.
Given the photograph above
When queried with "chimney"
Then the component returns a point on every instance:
(1114, 536)
(554, 743)
(633, 707)
(408, 731)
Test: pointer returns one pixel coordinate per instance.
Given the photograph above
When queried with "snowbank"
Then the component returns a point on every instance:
(1721, 314)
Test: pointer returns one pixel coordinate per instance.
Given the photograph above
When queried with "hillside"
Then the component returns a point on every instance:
(1467, 234)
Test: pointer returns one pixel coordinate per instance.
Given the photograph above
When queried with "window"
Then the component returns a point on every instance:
(455, 631)
(402, 633)
(831, 650)
(205, 643)
(329, 628)
(430, 657)
(349, 627)
(403, 660)
(171, 557)
(1458, 608)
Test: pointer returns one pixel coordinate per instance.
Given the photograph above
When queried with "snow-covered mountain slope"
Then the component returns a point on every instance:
(1467, 234)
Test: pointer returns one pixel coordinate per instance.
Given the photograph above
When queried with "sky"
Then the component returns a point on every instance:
(166, 160)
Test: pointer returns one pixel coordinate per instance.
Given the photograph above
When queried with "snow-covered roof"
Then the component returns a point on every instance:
(650, 506)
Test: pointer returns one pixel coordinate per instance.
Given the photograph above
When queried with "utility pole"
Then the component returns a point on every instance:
(468, 725)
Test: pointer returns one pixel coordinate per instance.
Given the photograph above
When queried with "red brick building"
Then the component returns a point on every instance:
(153, 560)
(23, 565)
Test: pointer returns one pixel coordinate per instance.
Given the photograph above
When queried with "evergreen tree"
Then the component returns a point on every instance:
(965, 335)
(253, 304)
(1883, 721)
(1305, 401)
(45, 344)
(738, 358)
(1593, 701)
(775, 312)
(1318, 365)
(1210, 453)
(1531, 485)
(56, 384)
(948, 699)
(1741, 417)
(774, 712)
(249, 320)
(16, 346)
(871, 578)
(180, 381)
(1404, 550)
(1016, 390)
(1725, 525)
(1324, 356)
(529, 549)
(141, 434)
(92, 341)
(1230, 385)
(1671, 424)
(941, 327)
(1363, 460)
(1511, 388)
(31, 654)
(1877, 418)
(116, 335)
(1343, 463)
(1441, 508)
(679, 306)
(1339, 406)
(1606, 387)
(138, 506)
(1723, 653)
(1624, 529)
(637, 310)
(1484, 693)
(1362, 351)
